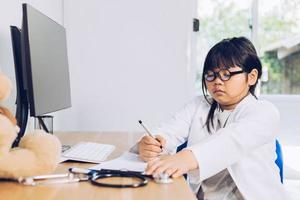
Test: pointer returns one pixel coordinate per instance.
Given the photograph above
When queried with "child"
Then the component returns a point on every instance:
(231, 134)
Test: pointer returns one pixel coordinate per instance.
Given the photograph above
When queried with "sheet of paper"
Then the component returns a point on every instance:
(127, 161)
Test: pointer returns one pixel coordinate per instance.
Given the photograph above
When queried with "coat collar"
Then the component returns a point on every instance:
(249, 99)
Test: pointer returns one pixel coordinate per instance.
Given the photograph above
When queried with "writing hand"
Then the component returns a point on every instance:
(150, 148)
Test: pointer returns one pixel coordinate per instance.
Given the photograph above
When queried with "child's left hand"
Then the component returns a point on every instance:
(174, 165)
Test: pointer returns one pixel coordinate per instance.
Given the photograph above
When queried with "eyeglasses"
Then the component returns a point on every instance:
(223, 74)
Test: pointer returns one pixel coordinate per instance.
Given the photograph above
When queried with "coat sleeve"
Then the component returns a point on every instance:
(176, 129)
(252, 127)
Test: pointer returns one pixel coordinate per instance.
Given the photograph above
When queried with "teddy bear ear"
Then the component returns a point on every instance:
(5, 86)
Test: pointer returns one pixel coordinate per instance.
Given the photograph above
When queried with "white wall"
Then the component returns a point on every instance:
(289, 108)
(129, 60)
(11, 14)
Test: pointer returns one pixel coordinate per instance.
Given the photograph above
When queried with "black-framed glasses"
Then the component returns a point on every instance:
(223, 74)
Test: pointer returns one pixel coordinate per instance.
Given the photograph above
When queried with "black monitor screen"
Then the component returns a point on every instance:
(45, 56)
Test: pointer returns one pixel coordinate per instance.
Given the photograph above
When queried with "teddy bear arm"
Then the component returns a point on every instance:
(19, 162)
(46, 147)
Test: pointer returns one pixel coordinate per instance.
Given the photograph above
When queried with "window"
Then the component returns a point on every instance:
(279, 41)
(276, 37)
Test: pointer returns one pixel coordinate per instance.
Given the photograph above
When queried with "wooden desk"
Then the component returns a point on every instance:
(179, 189)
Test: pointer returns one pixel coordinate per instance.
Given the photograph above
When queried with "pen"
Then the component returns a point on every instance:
(149, 133)
(147, 130)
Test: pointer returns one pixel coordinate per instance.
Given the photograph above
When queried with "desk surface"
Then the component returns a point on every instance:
(84, 190)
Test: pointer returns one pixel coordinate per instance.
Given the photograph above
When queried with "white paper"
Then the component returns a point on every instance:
(127, 161)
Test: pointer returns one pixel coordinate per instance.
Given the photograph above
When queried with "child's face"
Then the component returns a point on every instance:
(229, 93)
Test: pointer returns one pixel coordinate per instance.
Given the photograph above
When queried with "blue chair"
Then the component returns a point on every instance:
(278, 161)
(182, 146)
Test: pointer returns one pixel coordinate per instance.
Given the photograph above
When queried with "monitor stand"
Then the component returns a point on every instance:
(44, 122)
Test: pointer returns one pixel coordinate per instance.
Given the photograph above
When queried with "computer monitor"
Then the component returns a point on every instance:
(41, 67)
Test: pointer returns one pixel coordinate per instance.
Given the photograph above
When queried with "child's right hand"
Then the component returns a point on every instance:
(150, 148)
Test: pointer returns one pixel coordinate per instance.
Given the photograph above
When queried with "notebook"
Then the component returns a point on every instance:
(127, 161)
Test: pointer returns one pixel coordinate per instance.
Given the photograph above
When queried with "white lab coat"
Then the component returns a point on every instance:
(246, 146)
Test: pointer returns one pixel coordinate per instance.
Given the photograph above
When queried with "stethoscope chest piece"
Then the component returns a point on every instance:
(162, 178)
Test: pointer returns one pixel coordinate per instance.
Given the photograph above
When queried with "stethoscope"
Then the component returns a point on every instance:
(95, 177)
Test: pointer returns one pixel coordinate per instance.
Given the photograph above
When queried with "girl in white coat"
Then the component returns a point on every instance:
(231, 134)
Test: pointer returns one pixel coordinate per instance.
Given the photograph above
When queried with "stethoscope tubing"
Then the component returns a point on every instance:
(125, 174)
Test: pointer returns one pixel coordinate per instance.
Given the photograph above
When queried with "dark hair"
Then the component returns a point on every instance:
(236, 51)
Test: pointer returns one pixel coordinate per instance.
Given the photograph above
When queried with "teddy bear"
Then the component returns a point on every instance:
(38, 152)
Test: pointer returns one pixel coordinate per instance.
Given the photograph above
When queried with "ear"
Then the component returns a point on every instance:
(252, 77)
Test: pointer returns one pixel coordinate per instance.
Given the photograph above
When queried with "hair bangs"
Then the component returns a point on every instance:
(222, 57)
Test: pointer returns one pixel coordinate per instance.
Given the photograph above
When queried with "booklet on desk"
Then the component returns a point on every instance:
(127, 161)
